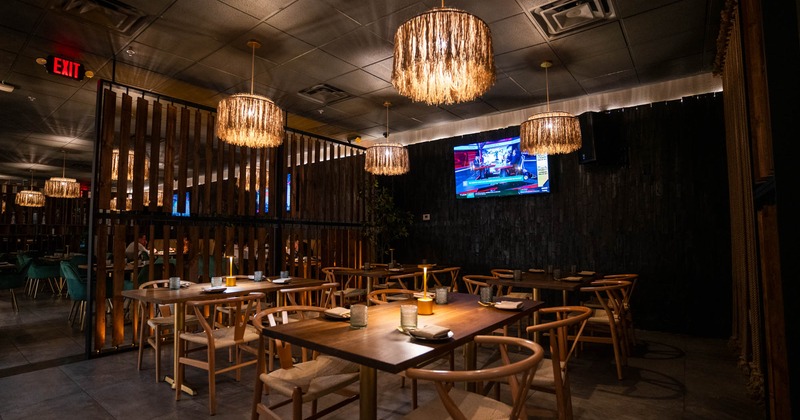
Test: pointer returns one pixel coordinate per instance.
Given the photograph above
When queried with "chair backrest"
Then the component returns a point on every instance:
(633, 278)
(566, 317)
(239, 307)
(408, 278)
(76, 287)
(502, 273)
(334, 275)
(39, 270)
(474, 283)
(446, 277)
(271, 317)
(158, 272)
(518, 374)
(321, 296)
(381, 296)
(612, 296)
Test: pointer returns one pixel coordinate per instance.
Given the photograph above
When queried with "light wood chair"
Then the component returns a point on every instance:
(459, 404)
(507, 273)
(446, 277)
(322, 296)
(236, 336)
(403, 280)
(314, 377)
(382, 296)
(629, 328)
(552, 374)
(474, 282)
(161, 321)
(607, 326)
(349, 290)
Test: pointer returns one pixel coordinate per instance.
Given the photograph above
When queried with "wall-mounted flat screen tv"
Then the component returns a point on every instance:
(175, 211)
(498, 168)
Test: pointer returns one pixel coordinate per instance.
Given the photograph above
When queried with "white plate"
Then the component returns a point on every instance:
(219, 289)
(185, 284)
(251, 277)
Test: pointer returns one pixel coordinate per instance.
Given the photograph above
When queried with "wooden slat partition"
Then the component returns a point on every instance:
(229, 189)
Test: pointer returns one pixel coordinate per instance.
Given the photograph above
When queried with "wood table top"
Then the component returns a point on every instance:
(382, 346)
(165, 295)
(544, 281)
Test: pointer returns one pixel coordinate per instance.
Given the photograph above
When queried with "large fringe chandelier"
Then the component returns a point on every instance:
(443, 56)
(62, 187)
(549, 132)
(245, 119)
(115, 165)
(387, 158)
(30, 198)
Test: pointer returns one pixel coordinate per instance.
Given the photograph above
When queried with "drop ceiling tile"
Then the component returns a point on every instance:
(590, 67)
(657, 24)
(153, 59)
(359, 48)
(72, 34)
(670, 47)
(11, 40)
(514, 33)
(304, 18)
(688, 65)
(355, 106)
(506, 94)
(382, 69)
(276, 46)
(469, 110)
(365, 12)
(358, 82)
(236, 62)
(609, 82)
(258, 9)
(19, 15)
(387, 26)
(213, 79)
(525, 59)
(591, 42)
(318, 65)
(628, 8)
(488, 11)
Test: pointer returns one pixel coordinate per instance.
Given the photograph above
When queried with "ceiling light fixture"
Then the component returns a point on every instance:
(115, 165)
(387, 158)
(245, 119)
(443, 56)
(550, 132)
(62, 187)
(30, 198)
(6, 88)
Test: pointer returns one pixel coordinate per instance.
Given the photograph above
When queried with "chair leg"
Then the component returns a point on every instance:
(14, 301)
(212, 382)
(297, 404)
(141, 344)
(157, 350)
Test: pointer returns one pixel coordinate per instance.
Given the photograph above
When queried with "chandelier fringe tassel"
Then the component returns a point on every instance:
(551, 133)
(443, 56)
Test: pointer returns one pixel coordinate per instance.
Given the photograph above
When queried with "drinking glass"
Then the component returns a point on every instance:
(441, 295)
(556, 274)
(573, 269)
(487, 294)
(216, 281)
(258, 275)
(517, 274)
(174, 283)
(358, 316)
(408, 316)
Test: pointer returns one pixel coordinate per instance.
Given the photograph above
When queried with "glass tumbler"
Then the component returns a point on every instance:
(408, 316)
(358, 316)
(487, 294)
(441, 295)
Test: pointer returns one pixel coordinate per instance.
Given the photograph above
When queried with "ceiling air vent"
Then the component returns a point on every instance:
(111, 14)
(323, 94)
(560, 17)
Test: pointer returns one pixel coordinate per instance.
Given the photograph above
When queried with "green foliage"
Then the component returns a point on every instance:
(385, 222)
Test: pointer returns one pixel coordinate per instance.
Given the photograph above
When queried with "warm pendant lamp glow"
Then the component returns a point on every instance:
(550, 132)
(443, 56)
(62, 187)
(387, 158)
(115, 165)
(30, 198)
(245, 119)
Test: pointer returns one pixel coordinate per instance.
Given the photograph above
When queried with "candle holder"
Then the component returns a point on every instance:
(425, 306)
(230, 281)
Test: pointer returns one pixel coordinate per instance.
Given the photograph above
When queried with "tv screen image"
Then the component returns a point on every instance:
(499, 168)
(175, 211)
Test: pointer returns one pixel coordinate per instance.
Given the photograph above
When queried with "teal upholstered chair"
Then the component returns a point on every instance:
(39, 271)
(14, 279)
(76, 289)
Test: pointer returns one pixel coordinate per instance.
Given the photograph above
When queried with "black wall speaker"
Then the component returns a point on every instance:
(603, 139)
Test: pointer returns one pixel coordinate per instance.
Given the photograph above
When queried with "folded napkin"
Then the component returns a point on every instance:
(281, 281)
(430, 331)
(508, 304)
(586, 273)
(420, 294)
(338, 312)
(571, 278)
(536, 270)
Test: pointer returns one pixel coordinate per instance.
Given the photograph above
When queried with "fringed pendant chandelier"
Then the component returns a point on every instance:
(549, 132)
(245, 119)
(115, 165)
(30, 198)
(387, 158)
(62, 187)
(443, 56)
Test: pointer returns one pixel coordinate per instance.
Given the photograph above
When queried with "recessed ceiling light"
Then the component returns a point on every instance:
(130, 51)
(41, 61)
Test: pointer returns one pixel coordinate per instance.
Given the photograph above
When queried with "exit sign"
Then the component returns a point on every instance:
(64, 67)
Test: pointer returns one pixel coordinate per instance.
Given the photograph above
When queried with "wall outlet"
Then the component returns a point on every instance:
(426, 216)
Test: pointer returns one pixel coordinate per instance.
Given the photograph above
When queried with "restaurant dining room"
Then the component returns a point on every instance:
(300, 209)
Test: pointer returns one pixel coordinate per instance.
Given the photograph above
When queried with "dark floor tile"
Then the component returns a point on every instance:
(77, 405)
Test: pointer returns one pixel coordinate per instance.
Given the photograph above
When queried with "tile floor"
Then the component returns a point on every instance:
(669, 377)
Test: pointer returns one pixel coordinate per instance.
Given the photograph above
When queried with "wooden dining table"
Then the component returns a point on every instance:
(536, 281)
(382, 346)
(379, 272)
(197, 291)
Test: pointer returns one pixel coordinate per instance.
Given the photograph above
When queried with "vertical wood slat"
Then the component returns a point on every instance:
(124, 135)
(208, 205)
(169, 158)
(183, 157)
(139, 153)
(240, 175)
(195, 147)
(220, 174)
(100, 284)
(118, 307)
(230, 185)
(106, 148)
(155, 155)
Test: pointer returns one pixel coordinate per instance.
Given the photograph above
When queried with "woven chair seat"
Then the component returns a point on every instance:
(316, 378)
(474, 406)
(223, 337)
